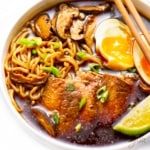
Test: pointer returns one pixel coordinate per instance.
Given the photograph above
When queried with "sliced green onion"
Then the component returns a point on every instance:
(43, 56)
(34, 52)
(102, 94)
(56, 45)
(53, 70)
(81, 55)
(132, 70)
(94, 67)
(70, 87)
(82, 103)
(56, 118)
(30, 42)
(78, 127)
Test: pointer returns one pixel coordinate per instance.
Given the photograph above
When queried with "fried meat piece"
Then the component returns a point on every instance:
(64, 96)
(117, 102)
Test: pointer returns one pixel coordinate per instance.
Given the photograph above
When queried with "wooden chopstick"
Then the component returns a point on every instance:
(138, 19)
(144, 47)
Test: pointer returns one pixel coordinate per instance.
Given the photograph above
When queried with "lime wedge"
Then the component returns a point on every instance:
(137, 121)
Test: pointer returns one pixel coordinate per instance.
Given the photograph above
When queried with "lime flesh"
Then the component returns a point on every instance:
(137, 121)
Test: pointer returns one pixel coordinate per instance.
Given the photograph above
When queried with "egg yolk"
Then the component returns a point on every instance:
(118, 48)
(145, 65)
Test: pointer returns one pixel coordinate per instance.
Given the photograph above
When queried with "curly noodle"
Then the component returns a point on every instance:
(25, 76)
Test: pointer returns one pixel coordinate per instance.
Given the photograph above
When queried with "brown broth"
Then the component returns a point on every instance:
(94, 134)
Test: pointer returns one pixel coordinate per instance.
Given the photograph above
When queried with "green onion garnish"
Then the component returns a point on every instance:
(94, 67)
(78, 127)
(102, 94)
(53, 70)
(56, 45)
(70, 87)
(43, 56)
(132, 70)
(82, 103)
(34, 52)
(30, 42)
(56, 118)
(81, 55)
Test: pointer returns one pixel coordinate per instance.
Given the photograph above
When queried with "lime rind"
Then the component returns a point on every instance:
(137, 121)
(134, 131)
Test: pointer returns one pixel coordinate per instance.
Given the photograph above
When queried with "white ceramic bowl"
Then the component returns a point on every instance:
(41, 136)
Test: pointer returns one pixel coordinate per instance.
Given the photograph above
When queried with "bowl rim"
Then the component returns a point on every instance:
(23, 123)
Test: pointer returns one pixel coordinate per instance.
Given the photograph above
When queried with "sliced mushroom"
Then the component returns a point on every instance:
(89, 28)
(65, 19)
(54, 20)
(43, 26)
(43, 116)
(94, 9)
(63, 6)
(76, 30)
(82, 16)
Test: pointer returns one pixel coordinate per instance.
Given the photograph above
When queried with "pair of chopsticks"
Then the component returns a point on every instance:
(145, 47)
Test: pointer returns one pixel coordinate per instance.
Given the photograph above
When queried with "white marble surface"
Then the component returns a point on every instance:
(12, 135)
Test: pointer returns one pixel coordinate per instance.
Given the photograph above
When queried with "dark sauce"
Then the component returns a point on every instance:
(95, 133)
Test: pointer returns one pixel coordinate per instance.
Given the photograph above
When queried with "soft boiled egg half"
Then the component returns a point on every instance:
(114, 43)
(141, 63)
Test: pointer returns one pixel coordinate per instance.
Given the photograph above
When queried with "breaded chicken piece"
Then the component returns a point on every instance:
(58, 97)
(64, 96)
(117, 102)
